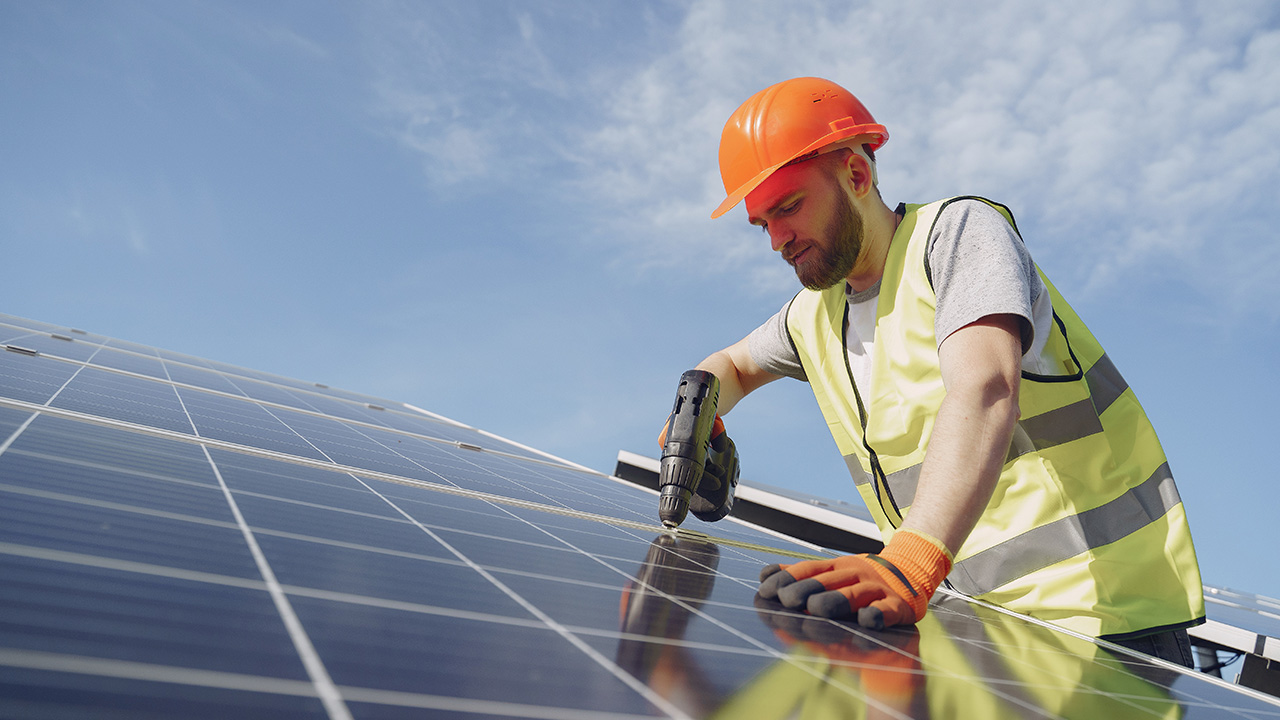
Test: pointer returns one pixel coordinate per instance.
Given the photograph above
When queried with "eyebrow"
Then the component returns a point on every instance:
(785, 199)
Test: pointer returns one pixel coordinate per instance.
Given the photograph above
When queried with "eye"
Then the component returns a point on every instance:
(789, 208)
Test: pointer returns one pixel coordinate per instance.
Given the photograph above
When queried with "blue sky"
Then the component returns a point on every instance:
(498, 211)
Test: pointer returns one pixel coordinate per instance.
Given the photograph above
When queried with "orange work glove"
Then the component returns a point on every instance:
(891, 588)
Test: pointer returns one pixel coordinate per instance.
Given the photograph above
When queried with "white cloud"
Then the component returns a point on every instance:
(469, 89)
(1127, 132)
(1121, 133)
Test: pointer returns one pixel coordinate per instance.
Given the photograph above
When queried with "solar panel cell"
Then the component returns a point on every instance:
(83, 691)
(103, 613)
(30, 379)
(121, 397)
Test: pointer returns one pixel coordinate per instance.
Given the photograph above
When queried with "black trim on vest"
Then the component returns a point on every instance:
(928, 271)
(1077, 375)
(878, 477)
(1117, 637)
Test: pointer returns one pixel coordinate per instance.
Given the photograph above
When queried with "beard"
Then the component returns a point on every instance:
(833, 260)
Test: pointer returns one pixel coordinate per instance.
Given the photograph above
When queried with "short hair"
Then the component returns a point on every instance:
(830, 158)
(837, 156)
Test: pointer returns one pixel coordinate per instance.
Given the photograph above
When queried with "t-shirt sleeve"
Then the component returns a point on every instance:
(980, 267)
(771, 348)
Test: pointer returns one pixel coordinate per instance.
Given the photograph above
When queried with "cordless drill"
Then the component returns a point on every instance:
(699, 472)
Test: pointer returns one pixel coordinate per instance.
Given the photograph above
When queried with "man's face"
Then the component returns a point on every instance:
(811, 221)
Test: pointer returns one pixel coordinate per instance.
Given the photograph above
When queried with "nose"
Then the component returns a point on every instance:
(779, 236)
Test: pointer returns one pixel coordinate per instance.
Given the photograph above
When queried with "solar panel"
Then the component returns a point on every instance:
(184, 538)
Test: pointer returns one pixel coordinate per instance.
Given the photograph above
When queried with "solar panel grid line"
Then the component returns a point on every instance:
(37, 328)
(887, 710)
(319, 506)
(129, 566)
(359, 547)
(207, 380)
(1123, 652)
(627, 678)
(325, 688)
(303, 591)
(124, 535)
(188, 361)
(320, 540)
(752, 652)
(1017, 691)
(293, 459)
(87, 464)
(376, 442)
(132, 670)
(44, 343)
(68, 382)
(492, 707)
(14, 435)
(412, 607)
(763, 649)
(615, 483)
(100, 392)
(1014, 696)
(1259, 606)
(391, 407)
(107, 505)
(14, 340)
(28, 381)
(294, 406)
(310, 401)
(590, 651)
(486, 433)
(328, 693)
(545, 457)
(438, 417)
(168, 571)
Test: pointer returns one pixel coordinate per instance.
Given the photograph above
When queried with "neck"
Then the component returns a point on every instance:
(879, 223)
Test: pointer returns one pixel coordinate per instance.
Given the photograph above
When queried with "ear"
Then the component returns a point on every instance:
(860, 173)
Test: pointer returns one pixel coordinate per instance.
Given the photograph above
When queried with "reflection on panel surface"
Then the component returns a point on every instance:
(181, 538)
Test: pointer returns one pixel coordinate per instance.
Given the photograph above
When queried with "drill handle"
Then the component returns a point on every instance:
(684, 452)
(693, 416)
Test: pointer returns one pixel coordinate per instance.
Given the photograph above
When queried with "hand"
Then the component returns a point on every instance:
(891, 588)
(713, 496)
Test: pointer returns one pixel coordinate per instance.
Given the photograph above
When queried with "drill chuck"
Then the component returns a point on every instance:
(678, 480)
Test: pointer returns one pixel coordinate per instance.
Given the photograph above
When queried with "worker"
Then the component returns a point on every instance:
(996, 445)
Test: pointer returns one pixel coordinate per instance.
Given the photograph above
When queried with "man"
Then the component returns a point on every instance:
(994, 442)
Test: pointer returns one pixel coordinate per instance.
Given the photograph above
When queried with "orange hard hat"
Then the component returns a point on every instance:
(784, 122)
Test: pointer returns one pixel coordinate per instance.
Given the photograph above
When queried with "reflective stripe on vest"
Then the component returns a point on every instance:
(1056, 427)
(1062, 539)
(1085, 491)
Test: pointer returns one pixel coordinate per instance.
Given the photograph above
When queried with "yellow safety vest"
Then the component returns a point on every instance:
(1085, 527)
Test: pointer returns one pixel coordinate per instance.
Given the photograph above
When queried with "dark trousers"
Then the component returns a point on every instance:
(1171, 645)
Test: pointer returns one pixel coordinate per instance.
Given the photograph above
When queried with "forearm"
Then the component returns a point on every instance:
(962, 465)
(739, 375)
(981, 368)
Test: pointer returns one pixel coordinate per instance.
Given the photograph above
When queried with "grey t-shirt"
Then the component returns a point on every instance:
(979, 267)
